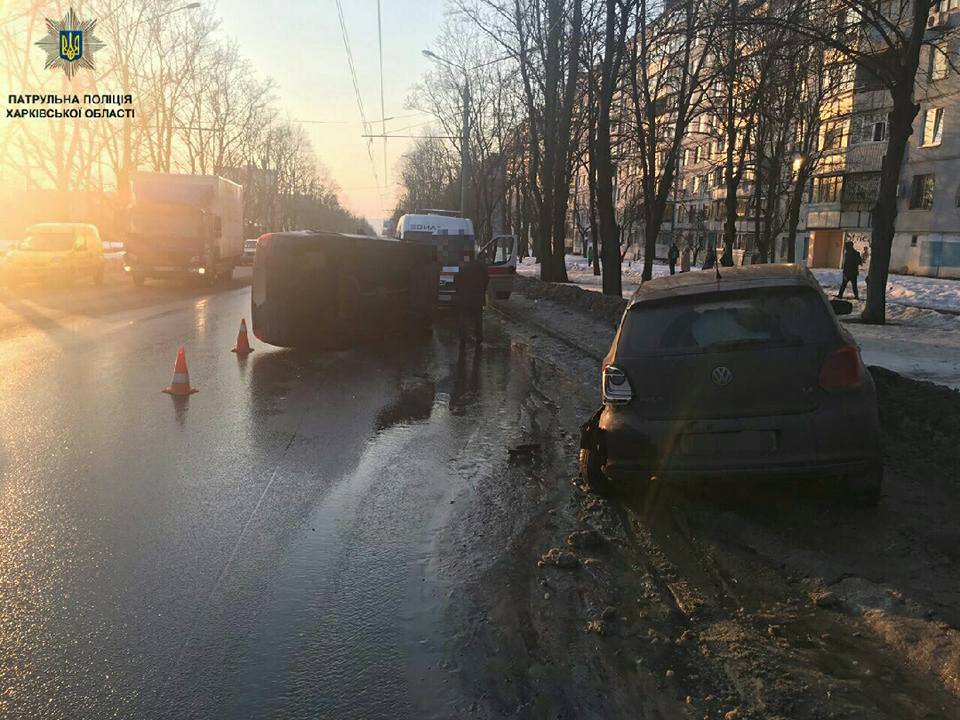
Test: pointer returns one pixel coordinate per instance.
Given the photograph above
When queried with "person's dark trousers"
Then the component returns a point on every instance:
(853, 283)
(471, 321)
(673, 268)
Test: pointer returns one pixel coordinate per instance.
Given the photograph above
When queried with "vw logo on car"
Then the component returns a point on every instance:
(722, 375)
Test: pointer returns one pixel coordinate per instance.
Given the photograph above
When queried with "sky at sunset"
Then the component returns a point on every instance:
(299, 45)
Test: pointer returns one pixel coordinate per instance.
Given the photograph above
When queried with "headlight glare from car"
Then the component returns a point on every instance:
(615, 386)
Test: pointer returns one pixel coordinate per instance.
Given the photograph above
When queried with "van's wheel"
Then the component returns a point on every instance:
(862, 489)
(139, 278)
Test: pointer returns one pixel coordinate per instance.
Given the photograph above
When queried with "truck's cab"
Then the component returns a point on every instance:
(56, 252)
(164, 238)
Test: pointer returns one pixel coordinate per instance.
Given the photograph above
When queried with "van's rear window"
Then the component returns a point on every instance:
(727, 321)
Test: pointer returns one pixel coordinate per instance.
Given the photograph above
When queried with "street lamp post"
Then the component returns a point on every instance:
(464, 128)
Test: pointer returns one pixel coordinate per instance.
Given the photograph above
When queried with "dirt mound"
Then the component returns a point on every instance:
(920, 421)
(605, 307)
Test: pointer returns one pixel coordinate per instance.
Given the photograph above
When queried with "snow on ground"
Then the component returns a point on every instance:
(924, 292)
(580, 273)
(920, 340)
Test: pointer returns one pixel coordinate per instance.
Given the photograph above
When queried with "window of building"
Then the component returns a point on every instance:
(879, 131)
(914, 241)
(835, 136)
(695, 187)
(686, 156)
(921, 192)
(826, 188)
(696, 154)
(869, 127)
(932, 133)
(937, 65)
(718, 177)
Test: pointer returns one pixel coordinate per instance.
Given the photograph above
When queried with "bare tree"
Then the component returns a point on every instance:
(667, 76)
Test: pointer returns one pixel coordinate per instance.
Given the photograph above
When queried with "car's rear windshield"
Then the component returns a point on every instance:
(47, 241)
(727, 321)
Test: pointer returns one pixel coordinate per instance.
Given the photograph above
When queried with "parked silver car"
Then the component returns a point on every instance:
(748, 374)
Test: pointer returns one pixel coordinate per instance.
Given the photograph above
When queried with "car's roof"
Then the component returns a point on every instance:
(59, 227)
(700, 282)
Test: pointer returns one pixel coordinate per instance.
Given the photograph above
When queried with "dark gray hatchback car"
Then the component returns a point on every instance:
(750, 374)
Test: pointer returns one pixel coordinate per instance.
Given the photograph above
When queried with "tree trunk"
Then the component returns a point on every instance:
(885, 210)
(609, 230)
(793, 215)
(758, 237)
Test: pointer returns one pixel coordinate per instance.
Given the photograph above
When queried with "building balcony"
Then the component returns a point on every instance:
(867, 157)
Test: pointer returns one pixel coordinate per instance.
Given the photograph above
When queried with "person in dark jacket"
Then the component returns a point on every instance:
(470, 284)
(673, 255)
(851, 269)
(711, 258)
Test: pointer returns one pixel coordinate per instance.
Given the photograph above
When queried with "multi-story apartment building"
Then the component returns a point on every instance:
(927, 239)
(840, 195)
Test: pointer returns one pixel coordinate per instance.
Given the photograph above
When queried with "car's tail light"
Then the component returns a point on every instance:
(842, 369)
(615, 386)
(263, 245)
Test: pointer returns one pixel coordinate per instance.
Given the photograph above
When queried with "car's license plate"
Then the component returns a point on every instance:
(721, 443)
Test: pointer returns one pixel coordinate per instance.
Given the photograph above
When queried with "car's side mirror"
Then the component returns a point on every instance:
(841, 307)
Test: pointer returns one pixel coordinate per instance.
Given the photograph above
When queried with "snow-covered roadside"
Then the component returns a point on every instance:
(911, 290)
(920, 341)
(580, 273)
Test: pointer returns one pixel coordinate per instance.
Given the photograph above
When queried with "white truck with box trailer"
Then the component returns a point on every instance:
(183, 225)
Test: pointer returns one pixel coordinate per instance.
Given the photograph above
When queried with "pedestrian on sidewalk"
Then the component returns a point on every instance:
(851, 269)
(470, 284)
(685, 258)
(673, 255)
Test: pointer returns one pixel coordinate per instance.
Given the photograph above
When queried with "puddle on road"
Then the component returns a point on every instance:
(337, 606)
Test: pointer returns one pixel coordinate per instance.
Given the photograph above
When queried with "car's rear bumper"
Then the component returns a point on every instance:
(628, 472)
(841, 439)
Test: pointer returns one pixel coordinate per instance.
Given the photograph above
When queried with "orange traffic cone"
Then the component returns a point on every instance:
(181, 378)
(243, 343)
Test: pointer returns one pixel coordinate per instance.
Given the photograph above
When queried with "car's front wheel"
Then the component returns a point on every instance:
(591, 457)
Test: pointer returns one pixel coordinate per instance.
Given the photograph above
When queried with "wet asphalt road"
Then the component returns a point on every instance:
(266, 548)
